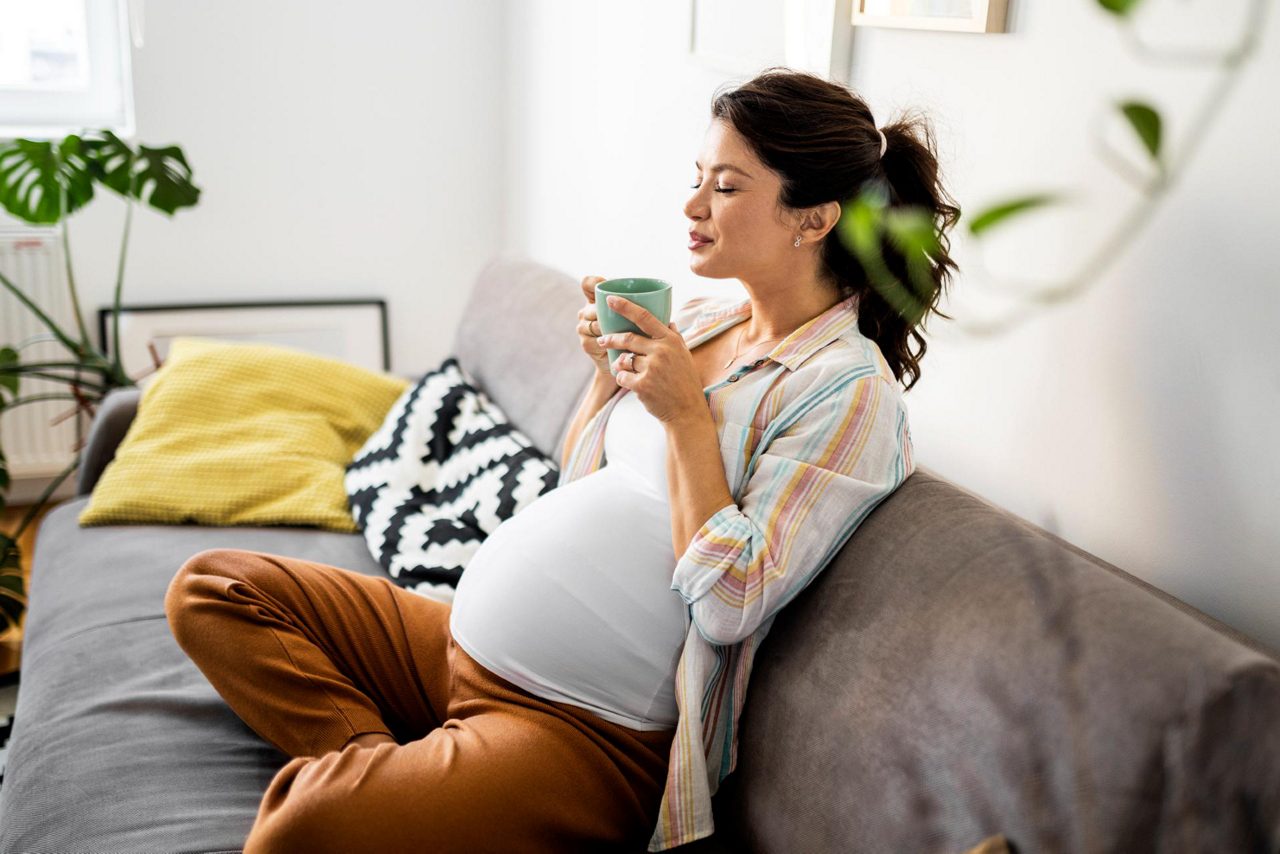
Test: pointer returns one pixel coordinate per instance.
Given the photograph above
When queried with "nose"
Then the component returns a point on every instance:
(695, 208)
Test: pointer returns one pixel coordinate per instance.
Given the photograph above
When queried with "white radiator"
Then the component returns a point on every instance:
(36, 448)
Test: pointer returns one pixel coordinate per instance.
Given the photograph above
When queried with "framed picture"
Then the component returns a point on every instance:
(963, 16)
(743, 37)
(354, 330)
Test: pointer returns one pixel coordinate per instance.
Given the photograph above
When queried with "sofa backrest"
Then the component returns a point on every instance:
(517, 340)
(957, 672)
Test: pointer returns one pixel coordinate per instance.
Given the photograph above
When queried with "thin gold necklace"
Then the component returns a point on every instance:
(739, 345)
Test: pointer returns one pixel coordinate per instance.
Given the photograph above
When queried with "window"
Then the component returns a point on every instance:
(64, 67)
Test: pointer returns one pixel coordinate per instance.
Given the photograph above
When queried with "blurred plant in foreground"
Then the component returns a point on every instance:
(867, 219)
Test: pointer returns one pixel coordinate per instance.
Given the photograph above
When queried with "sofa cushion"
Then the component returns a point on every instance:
(445, 468)
(242, 434)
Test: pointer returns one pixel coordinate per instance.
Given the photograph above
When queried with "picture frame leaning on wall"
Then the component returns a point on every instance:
(352, 330)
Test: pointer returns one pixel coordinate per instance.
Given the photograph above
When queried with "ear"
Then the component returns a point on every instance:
(819, 220)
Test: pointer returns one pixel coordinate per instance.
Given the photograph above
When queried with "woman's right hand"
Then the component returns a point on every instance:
(589, 329)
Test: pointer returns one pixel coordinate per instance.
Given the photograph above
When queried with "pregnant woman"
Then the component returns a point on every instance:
(583, 690)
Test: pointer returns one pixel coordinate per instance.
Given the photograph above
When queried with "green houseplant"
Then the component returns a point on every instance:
(43, 182)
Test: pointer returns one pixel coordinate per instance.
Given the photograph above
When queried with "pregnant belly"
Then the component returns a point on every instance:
(571, 599)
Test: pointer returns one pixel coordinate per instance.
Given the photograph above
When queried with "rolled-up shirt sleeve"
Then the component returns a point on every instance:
(813, 485)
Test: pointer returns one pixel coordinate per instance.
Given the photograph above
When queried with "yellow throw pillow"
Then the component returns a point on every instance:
(243, 434)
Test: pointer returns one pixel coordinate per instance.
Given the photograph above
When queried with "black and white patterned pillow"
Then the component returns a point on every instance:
(444, 469)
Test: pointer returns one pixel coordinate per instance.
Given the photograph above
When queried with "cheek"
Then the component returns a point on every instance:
(747, 232)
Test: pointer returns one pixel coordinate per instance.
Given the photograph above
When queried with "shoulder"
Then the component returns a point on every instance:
(844, 384)
(846, 361)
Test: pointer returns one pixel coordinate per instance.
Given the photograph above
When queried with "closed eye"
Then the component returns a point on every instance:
(717, 189)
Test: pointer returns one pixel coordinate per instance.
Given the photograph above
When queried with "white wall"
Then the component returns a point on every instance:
(1136, 421)
(344, 150)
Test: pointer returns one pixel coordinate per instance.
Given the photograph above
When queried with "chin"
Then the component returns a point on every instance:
(705, 269)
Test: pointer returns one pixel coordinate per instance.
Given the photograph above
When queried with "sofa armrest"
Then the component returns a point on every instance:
(110, 423)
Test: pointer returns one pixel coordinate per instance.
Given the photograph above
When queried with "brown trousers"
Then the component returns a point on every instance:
(309, 655)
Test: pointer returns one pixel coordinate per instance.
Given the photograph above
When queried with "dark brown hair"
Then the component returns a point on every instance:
(821, 140)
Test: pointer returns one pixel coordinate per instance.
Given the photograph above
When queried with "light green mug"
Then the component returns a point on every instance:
(651, 294)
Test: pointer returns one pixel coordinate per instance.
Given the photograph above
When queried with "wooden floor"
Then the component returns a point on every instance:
(10, 517)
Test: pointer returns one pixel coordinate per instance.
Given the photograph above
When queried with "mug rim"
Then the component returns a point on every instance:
(662, 285)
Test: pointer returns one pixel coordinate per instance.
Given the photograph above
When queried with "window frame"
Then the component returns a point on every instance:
(37, 113)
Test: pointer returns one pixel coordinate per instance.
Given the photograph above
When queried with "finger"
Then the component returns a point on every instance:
(588, 320)
(626, 341)
(589, 287)
(628, 361)
(639, 315)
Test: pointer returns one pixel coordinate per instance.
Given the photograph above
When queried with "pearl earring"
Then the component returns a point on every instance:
(797, 243)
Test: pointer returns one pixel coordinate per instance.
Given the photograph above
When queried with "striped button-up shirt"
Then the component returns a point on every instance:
(814, 435)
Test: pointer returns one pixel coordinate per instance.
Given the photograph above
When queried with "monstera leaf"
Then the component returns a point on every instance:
(42, 181)
(158, 176)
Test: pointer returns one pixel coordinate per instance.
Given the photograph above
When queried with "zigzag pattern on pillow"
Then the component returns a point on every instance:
(442, 472)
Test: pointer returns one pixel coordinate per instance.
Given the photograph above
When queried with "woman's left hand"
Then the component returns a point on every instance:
(658, 368)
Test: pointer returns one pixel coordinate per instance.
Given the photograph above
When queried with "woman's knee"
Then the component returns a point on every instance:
(314, 804)
(202, 575)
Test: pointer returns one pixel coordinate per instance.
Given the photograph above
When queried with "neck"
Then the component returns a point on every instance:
(780, 305)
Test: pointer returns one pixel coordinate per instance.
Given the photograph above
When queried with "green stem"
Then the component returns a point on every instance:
(23, 367)
(44, 498)
(71, 283)
(124, 246)
(70, 380)
(67, 341)
(76, 415)
(35, 339)
(16, 402)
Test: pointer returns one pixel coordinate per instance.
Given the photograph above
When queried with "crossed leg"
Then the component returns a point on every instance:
(311, 656)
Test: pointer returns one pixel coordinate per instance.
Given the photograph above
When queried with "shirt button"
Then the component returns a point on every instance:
(733, 379)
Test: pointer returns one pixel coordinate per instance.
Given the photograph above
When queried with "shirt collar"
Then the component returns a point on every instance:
(797, 347)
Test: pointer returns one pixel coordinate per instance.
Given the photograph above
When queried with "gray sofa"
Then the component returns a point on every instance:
(954, 673)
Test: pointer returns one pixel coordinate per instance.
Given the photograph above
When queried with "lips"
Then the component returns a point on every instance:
(696, 240)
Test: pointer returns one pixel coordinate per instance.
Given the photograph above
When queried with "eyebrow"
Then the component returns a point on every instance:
(724, 167)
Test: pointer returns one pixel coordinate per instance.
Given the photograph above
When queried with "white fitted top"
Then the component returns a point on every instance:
(571, 597)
